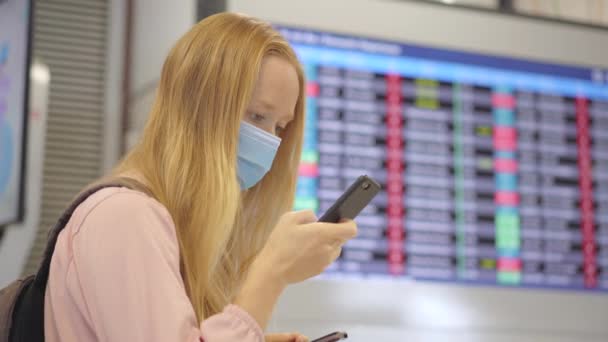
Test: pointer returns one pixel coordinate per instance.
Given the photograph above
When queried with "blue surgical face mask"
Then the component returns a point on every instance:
(257, 149)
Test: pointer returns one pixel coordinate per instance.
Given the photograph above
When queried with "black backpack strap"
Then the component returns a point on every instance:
(42, 275)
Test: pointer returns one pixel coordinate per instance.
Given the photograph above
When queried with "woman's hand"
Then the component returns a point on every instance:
(300, 247)
(291, 337)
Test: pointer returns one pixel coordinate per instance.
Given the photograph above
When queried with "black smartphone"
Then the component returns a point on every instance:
(352, 201)
(333, 337)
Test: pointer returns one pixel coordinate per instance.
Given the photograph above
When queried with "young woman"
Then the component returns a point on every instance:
(207, 244)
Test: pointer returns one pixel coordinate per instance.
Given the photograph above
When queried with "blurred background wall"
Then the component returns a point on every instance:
(75, 41)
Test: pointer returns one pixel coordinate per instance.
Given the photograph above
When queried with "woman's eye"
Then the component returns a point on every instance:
(257, 117)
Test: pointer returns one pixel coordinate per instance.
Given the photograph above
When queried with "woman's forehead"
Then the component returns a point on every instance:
(277, 87)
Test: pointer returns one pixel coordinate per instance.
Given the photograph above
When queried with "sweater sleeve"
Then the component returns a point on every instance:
(126, 263)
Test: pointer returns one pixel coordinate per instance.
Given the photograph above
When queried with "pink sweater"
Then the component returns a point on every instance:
(115, 277)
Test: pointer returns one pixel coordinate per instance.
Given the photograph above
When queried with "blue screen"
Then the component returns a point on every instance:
(14, 67)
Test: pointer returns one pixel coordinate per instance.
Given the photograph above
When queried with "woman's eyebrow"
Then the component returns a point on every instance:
(268, 107)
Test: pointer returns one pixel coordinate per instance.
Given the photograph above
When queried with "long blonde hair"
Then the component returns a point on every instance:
(188, 152)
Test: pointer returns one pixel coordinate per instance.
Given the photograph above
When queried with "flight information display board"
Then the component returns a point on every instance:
(494, 169)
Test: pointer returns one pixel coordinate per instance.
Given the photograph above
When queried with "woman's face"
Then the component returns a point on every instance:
(274, 98)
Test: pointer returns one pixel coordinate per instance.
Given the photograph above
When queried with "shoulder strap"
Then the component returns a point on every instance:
(42, 275)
